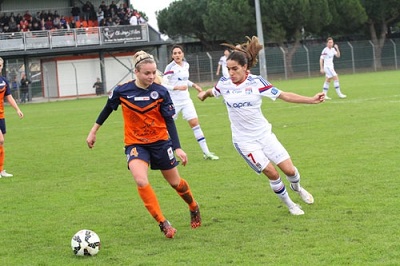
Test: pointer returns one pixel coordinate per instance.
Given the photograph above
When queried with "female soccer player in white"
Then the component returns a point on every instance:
(176, 80)
(222, 64)
(251, 132)
(326, 67)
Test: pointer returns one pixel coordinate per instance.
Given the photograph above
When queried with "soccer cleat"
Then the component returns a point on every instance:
(327, 98)
(167, 229)
(296, 210)
(195, 218)
(342, 96)
(210, 156)
(304, 195)
(5, 174)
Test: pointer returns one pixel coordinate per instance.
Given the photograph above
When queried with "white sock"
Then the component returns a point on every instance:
(198, 134)
(337, 87)
(325, 88)
(280, 190)
(295, 180)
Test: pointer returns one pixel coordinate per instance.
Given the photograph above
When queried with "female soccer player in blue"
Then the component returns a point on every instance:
(251, 132)
(151, 137)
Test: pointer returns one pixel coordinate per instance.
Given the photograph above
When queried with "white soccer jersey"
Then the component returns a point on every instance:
(327, 55)
(174, 75)
(222, 63)
(243, 102)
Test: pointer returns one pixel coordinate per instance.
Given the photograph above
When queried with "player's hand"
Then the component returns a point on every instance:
(91, 139)
(202, 95)
(336, 46)
(322, 71)
(20, 114)
(319, 97)
(182, 156)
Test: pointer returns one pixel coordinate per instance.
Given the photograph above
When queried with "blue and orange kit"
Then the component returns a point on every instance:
(147, 113)
(4, 91)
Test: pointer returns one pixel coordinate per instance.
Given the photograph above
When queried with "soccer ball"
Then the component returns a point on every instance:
(85, 243)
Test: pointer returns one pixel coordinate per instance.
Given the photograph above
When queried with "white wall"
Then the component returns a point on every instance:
(75, 77)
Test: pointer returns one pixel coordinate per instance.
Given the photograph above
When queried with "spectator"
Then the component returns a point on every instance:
(12, 25)
(56, 23)
(103, 6)
(107, 12)
(133, 20)
(24, 28)
(37, 17)
(43, 15)
(27, 16)
(24, 87)
(18, 18)
(86, 11)
(72, 25)
(36, 26)
(98, 85)
(14, 87)
(63, 22)
(114, 7)
(23, 23)
(100, 15)
(48, 25)
(76, 11)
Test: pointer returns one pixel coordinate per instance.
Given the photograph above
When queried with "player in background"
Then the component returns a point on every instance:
(222, 64)
(326, 67)
(5, 93)
(151, 137)
(176, 80)
(251, 132)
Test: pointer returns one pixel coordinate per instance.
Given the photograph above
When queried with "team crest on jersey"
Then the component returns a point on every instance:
(154, 95)
(274, 91)
(247, 91)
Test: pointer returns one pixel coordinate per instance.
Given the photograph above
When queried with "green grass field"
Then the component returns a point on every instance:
(346, 151)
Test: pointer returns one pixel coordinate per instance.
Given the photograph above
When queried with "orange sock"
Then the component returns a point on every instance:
(183, 190)
(150, 201)
(1, 157)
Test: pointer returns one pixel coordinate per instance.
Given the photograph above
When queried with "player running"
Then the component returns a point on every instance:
(251, 132)
(176, 80)
(326, 66)
(150, 138)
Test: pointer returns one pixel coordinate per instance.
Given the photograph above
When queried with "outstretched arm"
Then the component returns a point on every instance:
(296, 98)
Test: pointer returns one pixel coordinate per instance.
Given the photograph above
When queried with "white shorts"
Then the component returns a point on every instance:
(187, 109)
(259, 153)
(330, 72)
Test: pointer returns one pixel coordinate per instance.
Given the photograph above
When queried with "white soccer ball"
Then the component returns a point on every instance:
(85, 243)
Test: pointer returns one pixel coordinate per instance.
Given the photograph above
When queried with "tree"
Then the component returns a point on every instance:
(348, 17)
(286, 20)
(184, 18)
(380, 15)
(229, 21)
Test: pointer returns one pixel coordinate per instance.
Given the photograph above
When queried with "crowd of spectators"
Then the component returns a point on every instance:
(80, 17)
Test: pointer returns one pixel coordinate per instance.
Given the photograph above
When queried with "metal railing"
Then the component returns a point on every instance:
(22, 41)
